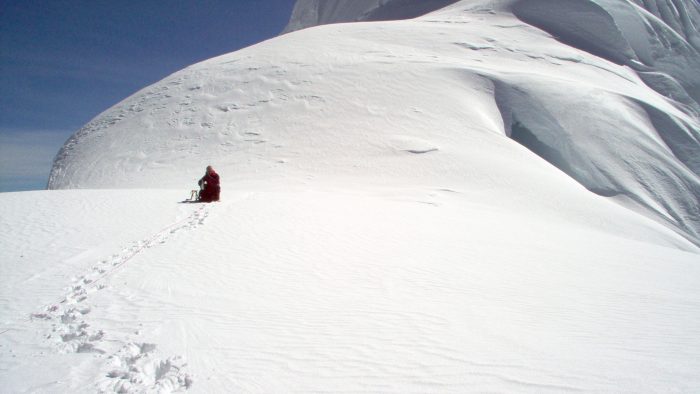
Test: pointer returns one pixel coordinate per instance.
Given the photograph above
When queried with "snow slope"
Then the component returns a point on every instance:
(381, 290)
(474, 200)
(431, 100)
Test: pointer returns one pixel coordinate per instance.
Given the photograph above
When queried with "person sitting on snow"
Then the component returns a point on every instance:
(209, 186)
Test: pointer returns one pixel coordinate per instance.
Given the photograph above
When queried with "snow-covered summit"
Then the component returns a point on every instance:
(604, 91)
(309, 13)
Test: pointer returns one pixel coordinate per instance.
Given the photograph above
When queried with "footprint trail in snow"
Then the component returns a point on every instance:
(135, 367)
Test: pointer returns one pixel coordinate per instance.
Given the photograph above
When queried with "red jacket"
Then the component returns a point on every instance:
(210, 187)
(209, 180)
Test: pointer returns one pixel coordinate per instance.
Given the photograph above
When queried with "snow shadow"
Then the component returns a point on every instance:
(580, 24)
(650, 162)
(678, 136)
(662, 49)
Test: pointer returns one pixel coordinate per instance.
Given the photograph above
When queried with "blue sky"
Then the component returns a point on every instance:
(63, 62)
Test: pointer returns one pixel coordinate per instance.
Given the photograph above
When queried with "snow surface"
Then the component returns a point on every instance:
(497, 196)
(388, 289)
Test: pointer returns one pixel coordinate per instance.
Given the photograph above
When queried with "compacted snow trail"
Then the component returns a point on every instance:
(66, 323)
(135, 369)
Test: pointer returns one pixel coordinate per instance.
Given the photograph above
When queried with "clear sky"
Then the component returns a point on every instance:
(62, 62)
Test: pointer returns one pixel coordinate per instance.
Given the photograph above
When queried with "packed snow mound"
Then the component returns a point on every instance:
(450, 99)
(308, 13)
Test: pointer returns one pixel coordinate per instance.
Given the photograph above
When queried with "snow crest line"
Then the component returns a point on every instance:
(134, 367)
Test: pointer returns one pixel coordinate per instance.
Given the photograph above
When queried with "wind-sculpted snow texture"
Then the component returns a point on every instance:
(605, 91)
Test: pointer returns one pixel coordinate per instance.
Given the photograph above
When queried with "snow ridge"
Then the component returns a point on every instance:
(308, 13)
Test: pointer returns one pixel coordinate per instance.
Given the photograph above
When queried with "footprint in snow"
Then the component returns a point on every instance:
(136, 368)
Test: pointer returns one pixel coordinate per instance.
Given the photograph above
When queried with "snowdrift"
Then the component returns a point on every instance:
(605, 91)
